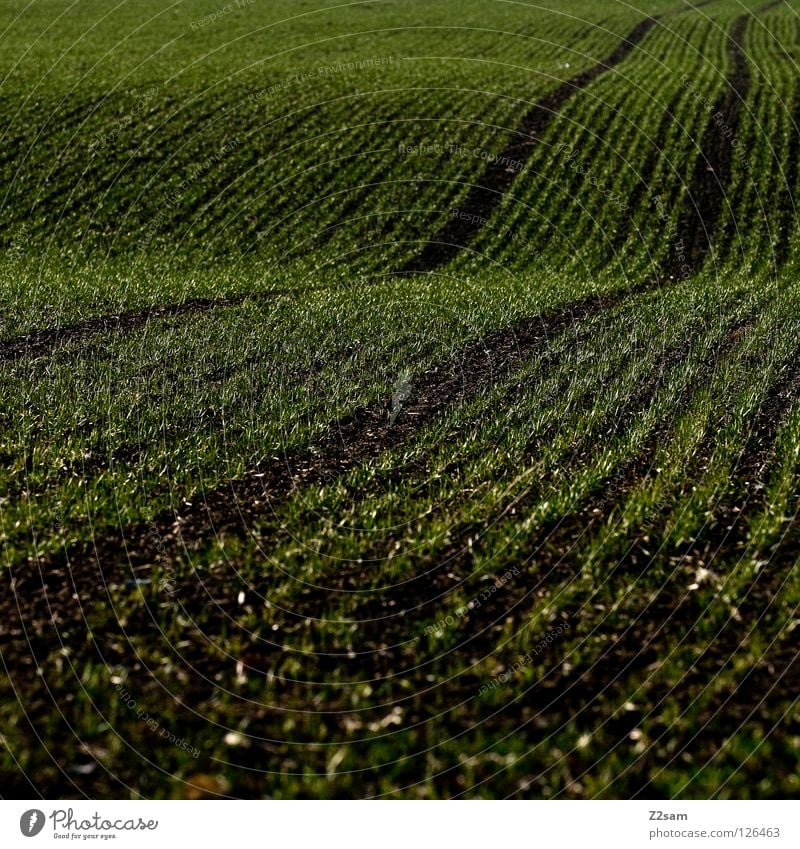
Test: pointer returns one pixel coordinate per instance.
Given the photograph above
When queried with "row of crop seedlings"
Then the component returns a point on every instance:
(644, 96)
(108, 144)
(706, 444)
(187, 153)
(746, 230)
(753, 614)
(99, 174)
(745, 216)
(106, 158)
(654, 237)
(611, 575)
(511, 636)
(536, 208)
(247, 182)
(417, 194)
(251, 178)
(402, 166)
(508, 432)
(529, 92)
(620, 135)
(311, 163)
(118, 142)
(657, 181)
(555, 493)
(504, 464)
(768, 150)
(770, 351)
(420, 190)
(320, 174)
(424, 188)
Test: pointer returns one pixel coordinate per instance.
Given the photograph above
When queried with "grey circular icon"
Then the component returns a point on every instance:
(31, 822)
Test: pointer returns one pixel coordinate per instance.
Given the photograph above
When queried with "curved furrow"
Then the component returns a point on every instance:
(658, 146)
(233, 506)
(711, 175)
(482, 199)
(561, 693)
(561, 532)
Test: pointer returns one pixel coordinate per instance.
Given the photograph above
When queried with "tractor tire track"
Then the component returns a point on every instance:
(560, 693)
(382, 618)
(562, 532)
(484, 197)
(40, 343)
(365, 434)
(707, 189)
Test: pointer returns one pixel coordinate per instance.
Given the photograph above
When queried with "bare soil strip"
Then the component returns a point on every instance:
(558, 539)
(234, 505)
(481, 200)
(42, 342)
(707, 191)
(484, 197)
(787, 226)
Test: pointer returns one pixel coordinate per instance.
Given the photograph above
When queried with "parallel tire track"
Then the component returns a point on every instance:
(711, 176)
(484, 197)
(365, 434)
(41, 342)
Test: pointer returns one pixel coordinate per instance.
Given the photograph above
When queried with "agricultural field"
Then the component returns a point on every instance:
(400, 399)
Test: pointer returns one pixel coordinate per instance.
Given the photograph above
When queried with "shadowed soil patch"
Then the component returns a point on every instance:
(42, 342)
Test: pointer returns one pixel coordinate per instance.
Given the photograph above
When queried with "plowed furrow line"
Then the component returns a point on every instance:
(384, 618)
(42, 342)
(787, 229)
(357, 438)
(707, 191)
(483, 198)
(564, 533)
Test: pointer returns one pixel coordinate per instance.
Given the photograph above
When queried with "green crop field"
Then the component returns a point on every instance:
(399, 399)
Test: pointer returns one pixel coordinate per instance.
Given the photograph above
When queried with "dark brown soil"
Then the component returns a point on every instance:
(787, 191)
(41, 342)
(707, 190)
(552, 552)
(484, 197)
(232, 507)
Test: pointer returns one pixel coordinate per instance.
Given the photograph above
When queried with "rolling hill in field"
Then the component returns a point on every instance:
(400, 400)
